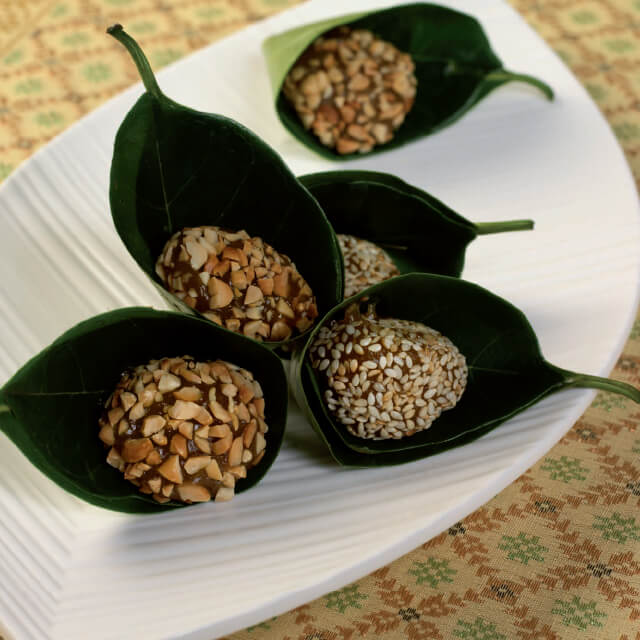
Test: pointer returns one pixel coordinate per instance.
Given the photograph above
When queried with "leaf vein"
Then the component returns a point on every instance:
(489, 344)
(195, 174)
(163, 186)
(240, 184)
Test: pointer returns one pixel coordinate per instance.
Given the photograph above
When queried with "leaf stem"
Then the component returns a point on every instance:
(510, 76)
(4, 408)
(484, 228)
(605, 384)
(144, 68)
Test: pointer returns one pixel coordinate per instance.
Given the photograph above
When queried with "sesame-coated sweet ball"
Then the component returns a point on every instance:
(185, 430)
(365, 264)
(351, 89)
(386, 378)
(237, 281)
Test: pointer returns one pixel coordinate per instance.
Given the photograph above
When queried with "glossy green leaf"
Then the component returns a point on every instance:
(50, 407)
(174, 167)
(455, 66)
(420, 233)
(507, 372)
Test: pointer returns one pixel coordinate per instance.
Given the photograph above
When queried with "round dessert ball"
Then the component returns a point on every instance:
(351, 89)
(386, 378)
(237, 281)
(365, 264)
(185, 430)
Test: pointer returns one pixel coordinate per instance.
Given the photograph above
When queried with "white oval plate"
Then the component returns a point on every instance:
(69, 570)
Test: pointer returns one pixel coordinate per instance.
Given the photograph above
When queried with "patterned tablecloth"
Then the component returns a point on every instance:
(556, 555)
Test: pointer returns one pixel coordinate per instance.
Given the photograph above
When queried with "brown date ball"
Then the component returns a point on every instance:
(237, 281)
(185, 430)
(351, 89)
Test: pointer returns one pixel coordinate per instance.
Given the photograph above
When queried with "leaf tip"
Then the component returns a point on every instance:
(114, 29)
(144, 68)
(548, 92)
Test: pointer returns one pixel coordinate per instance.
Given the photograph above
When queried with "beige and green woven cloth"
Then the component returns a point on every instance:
(554, 556)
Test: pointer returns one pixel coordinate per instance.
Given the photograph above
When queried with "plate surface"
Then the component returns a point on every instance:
(309, 527)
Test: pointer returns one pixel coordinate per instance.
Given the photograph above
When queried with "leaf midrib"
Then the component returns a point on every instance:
(503, 372)
(454, 67)
(163, 186)
(50, 393)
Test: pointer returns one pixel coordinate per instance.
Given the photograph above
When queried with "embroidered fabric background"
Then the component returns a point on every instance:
(556, 555)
